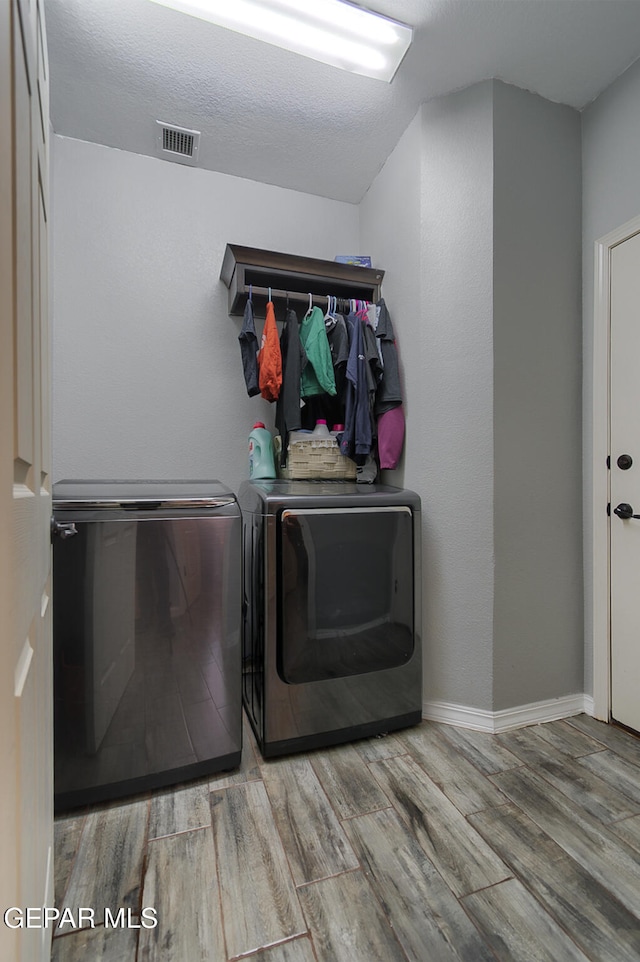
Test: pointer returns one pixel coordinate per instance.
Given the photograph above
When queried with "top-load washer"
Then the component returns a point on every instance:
(332, 647)
(147, 658)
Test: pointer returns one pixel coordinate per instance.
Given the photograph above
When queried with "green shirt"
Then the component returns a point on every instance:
(317, 377)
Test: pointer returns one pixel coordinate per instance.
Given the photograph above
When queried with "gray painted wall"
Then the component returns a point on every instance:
(611, 197)
(538, 633)
(493, 379)
(147, 377)
(456, 438)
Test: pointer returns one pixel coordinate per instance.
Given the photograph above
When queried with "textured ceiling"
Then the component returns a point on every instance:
(117, 66)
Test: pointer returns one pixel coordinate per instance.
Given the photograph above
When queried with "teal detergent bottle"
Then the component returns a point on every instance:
(261, 463)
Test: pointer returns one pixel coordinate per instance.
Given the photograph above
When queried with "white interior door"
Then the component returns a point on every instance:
(625, 482)
(26, 696)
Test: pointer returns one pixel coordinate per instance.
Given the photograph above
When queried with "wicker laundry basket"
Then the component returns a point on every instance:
(316, 458)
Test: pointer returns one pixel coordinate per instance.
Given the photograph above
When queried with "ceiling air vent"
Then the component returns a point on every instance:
(178, 143)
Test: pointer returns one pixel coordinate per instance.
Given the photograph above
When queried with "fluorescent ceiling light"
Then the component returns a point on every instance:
(332, 31)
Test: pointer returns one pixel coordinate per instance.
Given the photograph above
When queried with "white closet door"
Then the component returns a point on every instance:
(26, 695)
(625, 482)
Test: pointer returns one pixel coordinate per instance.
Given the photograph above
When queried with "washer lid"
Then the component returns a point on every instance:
(98, 494)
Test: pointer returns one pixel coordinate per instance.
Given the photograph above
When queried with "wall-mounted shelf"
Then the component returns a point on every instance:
(293, 277)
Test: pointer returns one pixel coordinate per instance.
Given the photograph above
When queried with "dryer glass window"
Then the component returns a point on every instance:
(346, 592)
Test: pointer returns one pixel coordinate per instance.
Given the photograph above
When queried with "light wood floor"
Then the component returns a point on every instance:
(429, 845)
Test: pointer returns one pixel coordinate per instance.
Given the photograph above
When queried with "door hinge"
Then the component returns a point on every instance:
(609, 509)
(609, 461)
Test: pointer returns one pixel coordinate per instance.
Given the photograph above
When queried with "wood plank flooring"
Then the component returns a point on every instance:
(434, 844)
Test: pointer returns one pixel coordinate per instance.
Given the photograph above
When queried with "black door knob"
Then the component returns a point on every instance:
(624, 462)
(624, 511)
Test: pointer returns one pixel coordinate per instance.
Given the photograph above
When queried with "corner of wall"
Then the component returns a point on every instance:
(537, 384)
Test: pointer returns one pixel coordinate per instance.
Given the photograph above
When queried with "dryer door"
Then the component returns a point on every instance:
(345, 591)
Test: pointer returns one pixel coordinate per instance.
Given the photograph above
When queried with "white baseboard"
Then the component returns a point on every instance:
(500, 721)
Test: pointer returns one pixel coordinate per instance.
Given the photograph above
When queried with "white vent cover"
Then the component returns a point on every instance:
(178, 143)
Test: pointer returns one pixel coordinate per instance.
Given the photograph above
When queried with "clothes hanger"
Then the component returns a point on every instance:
(332, 304)
(328, 317)
(310, 306)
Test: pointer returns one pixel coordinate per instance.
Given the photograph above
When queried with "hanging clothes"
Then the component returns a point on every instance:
(294, 360)
(338, 338)
(373, 314)
(331, 408)
(390, 437)
(388, 403)
(374, 364)
(249, 350)
(389, 394)
(270, 358)
(317, 377)
(357, 438)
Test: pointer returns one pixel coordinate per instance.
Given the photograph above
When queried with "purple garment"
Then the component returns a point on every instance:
(390, 437)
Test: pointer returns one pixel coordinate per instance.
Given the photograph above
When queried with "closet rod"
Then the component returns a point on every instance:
(297, 299)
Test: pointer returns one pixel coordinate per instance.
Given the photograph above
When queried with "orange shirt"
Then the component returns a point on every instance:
(270, 358)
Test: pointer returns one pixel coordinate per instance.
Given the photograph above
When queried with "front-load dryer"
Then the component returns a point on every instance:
(332, 646)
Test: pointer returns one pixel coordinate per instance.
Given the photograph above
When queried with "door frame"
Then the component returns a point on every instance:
(601, 475)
